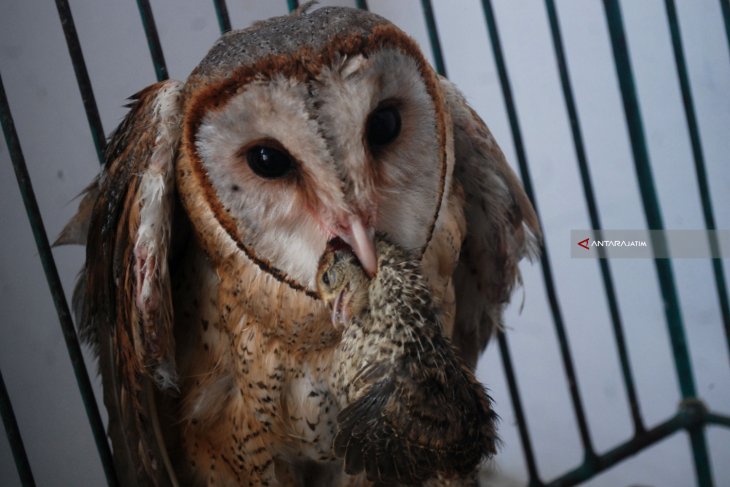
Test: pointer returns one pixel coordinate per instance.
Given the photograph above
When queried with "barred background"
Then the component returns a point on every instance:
(49, 116)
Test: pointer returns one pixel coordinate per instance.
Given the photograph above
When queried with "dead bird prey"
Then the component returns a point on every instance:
(411, 409)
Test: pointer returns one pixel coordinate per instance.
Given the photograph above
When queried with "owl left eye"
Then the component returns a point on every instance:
(268, 162)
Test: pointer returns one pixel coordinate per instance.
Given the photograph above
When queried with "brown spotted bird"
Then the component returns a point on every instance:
(204, 232)
(410, 409)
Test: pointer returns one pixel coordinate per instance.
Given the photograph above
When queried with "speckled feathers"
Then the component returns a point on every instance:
(216, 353)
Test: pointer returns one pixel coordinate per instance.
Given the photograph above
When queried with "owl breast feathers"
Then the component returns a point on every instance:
(218, 197)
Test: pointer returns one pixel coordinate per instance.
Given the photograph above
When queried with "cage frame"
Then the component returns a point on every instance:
(692, 415)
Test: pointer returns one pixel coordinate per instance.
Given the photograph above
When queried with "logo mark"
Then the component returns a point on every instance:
(584, 243)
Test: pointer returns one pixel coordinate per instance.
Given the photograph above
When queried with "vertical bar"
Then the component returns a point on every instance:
(590, 455)
(725, 6)
(700, 455)
(699, 160)
(54, 283)
(82, 77)
(433, 36)
(361, 4)
(594, 216)
(153, 39)
(221, 12)
(293, 4)
(519, 411)
(654, 219)
(14, 438)
(648, 191)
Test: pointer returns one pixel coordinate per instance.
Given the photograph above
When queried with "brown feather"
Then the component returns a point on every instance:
(134, 343)
(77, 229)
(501, 228)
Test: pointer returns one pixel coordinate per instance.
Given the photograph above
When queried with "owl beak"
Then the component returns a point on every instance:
(360, 239)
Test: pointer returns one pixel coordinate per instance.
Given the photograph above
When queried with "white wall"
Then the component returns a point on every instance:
(47, 107)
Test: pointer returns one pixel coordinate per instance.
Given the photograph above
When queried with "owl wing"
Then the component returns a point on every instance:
(501, 228)
(123, 296)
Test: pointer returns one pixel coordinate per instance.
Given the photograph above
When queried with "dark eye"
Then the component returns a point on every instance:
(329, 276)
(268, 162)
(383, 126)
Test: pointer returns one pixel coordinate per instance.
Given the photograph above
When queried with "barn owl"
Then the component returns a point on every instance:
(218, 197)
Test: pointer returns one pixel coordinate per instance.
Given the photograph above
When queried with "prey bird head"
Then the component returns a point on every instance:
(342, 282)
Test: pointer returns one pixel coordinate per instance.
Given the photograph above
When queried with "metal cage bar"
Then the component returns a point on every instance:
(82, 77)
(54, 283)
(14, 437)
(221, 13)
(566, 356)
(725, 7)
(153, 39)
(692, 415)
(433, 36)
(594, 217)
(689, 416)
(699, 161)
(519, 411)
(650, 202)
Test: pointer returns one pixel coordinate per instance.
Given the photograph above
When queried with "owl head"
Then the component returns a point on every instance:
(309, 127)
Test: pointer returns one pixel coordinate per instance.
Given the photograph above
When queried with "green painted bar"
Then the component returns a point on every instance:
(718, 419)
(14, 438)
(82, 77)
(592, 205)
(546, 267)
(56, 288)
(692, 417)
(654, 220)
(514, 393)
(648, 193)
(631, 447)
(699, 161)
(221, 13)
(725, 6)
(153, 39)
(433, 36)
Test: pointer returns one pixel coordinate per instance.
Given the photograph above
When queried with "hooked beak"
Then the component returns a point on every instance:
(360, 239)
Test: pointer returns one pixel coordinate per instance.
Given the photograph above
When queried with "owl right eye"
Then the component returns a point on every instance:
(268, 162)
(383, 126)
